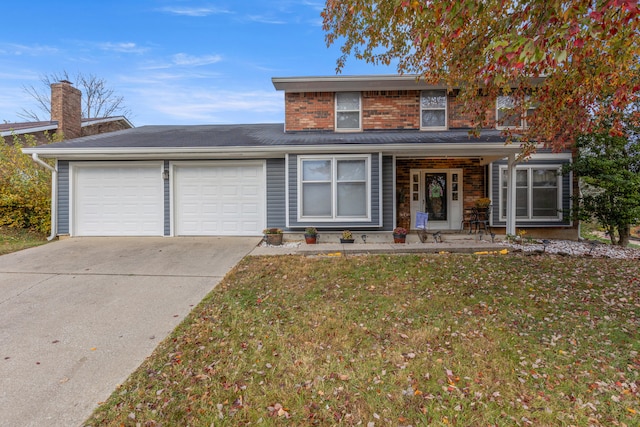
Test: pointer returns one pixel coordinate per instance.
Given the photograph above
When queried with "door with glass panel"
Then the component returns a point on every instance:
(439, 193)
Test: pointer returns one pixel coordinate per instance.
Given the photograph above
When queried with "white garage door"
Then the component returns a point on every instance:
(118, 200)
(214, 199)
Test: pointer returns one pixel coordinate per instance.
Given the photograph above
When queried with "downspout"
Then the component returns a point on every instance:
(54, 194)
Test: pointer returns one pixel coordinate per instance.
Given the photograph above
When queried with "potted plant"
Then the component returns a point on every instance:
(399, 235)
(347, 237)
(273, 236)
(483, 203)
(311, 235)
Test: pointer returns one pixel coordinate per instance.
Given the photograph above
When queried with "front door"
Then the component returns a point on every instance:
(438, 192)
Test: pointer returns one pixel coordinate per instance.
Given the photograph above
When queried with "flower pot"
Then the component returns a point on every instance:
(311, 239)
(346, 240)
(399, 238)
(273, 239)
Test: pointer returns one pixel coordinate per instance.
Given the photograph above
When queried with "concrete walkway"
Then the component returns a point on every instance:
(78, 316)
(453, 243)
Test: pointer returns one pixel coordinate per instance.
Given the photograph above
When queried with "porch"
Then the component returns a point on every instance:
(447, 189)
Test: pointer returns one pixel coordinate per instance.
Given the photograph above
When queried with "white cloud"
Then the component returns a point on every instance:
(197, 105)
(125, 47)
(265, 20)
(185, 59)
(21, 49)
(181, 60)
(194, 11)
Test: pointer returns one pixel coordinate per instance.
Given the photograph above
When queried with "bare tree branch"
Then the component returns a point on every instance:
(98, 99)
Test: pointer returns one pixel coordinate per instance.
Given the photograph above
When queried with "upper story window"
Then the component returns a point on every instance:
(433, 109)
(506, 114)
(348, 111)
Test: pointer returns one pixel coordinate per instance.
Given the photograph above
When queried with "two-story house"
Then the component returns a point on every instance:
(359, 152)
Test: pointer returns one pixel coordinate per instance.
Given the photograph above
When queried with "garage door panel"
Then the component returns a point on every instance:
(223, 199)
(118, 200)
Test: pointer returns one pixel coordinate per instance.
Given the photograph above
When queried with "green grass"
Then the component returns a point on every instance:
(445, 339)
(13, 240)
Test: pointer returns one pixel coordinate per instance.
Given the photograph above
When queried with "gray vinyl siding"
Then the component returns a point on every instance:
(566, 195)
(387, 193)
(167, 203)
(276, 194)
(374, 223)
(63, 197)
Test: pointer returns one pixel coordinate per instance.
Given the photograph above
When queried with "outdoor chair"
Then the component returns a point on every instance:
(481, 219)
(469, 217)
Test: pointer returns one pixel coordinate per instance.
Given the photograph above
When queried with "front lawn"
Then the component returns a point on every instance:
(462, 340)
(13, 240)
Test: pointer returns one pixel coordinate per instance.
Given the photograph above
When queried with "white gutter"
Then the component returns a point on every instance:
(54, 194)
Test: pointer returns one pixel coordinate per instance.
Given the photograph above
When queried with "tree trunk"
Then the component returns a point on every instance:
(624, 231)
(611, 231)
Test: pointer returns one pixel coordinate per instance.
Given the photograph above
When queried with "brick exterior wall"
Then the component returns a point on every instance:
(388, 110)
(309, 111)
(381, 110)
(460, 119)
(474, 182)
(66, 109)
(105, 127)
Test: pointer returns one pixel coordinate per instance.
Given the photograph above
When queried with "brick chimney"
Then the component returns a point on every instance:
(66, 109)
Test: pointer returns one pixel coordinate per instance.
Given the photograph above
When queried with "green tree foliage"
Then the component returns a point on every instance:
(609, 169)
(25, 199)
(586, 51)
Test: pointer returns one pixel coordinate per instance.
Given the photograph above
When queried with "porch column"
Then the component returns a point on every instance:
(511, 195)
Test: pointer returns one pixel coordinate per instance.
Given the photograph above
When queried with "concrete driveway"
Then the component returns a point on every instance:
(77, 316)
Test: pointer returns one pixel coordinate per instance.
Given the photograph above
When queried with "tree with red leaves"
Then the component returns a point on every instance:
(569, 58)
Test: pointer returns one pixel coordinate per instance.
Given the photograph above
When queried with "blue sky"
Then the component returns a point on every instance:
(174, 61)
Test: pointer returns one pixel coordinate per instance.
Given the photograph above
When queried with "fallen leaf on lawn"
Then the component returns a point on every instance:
(278, 410)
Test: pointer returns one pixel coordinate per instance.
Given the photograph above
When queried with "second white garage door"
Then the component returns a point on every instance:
(217, 199)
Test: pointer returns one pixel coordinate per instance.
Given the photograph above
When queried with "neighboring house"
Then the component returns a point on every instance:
(66, 118)
(356, 152)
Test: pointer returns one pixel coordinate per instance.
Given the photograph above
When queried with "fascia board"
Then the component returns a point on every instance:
(28, 130)
(437, 150)
(108, 120)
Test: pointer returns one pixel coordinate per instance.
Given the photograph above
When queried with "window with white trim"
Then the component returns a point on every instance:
(348, 111)
(538, 193)
(333, 188)
(433, 109)
(506, 115)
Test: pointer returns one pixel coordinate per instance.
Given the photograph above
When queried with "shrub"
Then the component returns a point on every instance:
(25, 187)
